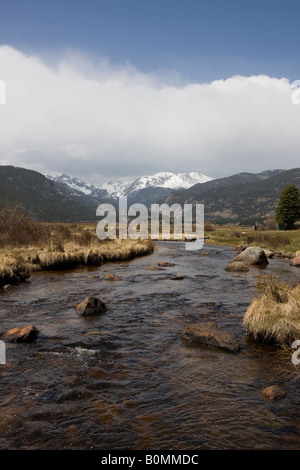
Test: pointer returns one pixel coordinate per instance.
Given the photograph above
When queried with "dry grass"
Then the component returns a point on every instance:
(272, 241)
(13, 270)
(28, 246)
(94, 254)
(16, 264)
(274, 315)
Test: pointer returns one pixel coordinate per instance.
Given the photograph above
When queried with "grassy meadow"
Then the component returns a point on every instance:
(284, 242)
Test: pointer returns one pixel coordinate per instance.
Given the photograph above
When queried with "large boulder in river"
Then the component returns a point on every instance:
(27, 334)
(91, 306)
(208, 333)
(252, 255)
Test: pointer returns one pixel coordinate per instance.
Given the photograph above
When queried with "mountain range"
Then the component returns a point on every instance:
(145, 189)
(242, 198)
(40, 197)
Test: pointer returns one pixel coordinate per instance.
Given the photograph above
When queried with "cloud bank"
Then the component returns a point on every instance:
(100, 122)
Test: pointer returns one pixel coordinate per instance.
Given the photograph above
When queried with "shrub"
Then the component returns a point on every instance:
(269, 223)
(236, 234)
(208, 226)
(16, 228)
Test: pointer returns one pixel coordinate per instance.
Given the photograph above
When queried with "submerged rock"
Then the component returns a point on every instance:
(208, 333)
(236, 266)
(252, 255)
(153, 268)
(27, 334)
(165, 263)
(273, 393)
(7, 287)
(112, 277)
(91, 306)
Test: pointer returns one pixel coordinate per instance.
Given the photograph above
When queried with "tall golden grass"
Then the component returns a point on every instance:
(28, 246)
(274, 314)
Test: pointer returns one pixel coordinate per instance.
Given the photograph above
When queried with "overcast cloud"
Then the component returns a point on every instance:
(100, 122)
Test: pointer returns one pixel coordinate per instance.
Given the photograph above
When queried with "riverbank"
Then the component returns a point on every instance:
(284, 243)
(63, 246)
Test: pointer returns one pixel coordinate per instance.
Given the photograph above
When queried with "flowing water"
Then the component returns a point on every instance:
(125, 380)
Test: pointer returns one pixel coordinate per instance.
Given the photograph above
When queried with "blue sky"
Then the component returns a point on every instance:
(201, 40)
(120, 88)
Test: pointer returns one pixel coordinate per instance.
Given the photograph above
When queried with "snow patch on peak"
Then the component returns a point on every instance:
(115, 189)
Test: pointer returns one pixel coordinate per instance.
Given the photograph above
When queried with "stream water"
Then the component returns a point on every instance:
(125, 380)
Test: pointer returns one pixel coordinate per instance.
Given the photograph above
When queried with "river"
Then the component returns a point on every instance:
(125, 380)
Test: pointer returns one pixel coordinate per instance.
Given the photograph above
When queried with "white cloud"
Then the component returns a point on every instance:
(94, 120)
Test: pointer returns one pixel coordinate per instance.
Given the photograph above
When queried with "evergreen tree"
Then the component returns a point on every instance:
(288, 207)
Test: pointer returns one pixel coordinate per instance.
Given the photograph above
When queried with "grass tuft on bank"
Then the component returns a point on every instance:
(274, 314)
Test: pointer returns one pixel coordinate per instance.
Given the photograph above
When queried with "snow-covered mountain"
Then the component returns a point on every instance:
(114, 189)
(163, 179)
(77, 187)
